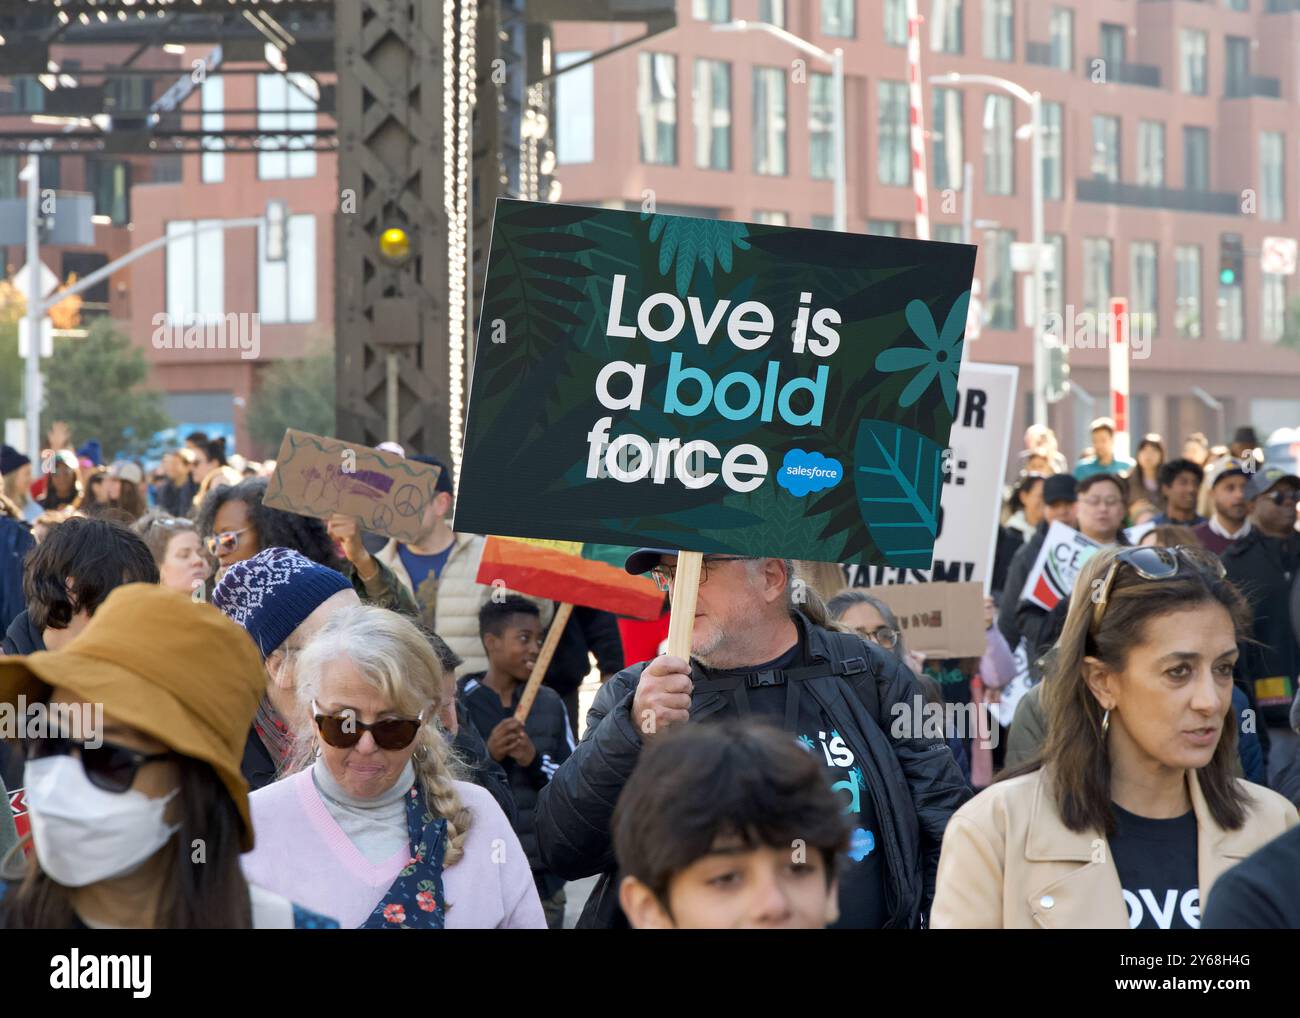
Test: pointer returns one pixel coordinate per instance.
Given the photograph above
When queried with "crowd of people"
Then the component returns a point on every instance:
(304, 725)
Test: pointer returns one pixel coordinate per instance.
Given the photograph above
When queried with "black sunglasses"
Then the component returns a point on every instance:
(1153, 563)
(343, 731)
(108, 766)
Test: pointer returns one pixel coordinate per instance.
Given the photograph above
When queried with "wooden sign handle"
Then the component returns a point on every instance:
(562, 612)
(686, 588)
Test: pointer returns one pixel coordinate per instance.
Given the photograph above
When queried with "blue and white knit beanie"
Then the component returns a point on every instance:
(272, 593)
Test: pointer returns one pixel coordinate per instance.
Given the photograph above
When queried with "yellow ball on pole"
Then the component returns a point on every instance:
(395, 244)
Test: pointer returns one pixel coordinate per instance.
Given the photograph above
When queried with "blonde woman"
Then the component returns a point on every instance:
(376, 823)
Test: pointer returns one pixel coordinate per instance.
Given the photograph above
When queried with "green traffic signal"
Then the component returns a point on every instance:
(1227, 277)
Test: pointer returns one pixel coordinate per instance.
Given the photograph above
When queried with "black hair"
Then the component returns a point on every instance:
(209, 892)
(215, 450)
(97, 554)
(1169, 472)
(1093, 479)
(494, 615)
(739, 778)
(197, 438)
(275, 529)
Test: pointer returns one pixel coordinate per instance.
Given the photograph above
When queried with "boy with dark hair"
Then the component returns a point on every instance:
(1180, 485)
(730, 826)
(531, 752)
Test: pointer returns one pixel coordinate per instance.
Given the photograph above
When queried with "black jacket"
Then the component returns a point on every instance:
(1009, 617)
(1262, 893)
(588, 629)
(15, 542)
(916, 782)
(1264, 569)
(22, 637)
(478, 763)
(548, 727)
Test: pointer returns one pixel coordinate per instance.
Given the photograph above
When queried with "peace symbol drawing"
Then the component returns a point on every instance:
(382, 518)
(408, 501)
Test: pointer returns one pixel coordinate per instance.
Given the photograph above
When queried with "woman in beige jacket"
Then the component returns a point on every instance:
(1132, 811)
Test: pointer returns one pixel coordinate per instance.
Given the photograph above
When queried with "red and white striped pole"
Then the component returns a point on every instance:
(920, 186)
(1119, 374)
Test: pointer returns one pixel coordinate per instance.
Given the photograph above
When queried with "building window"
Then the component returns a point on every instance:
(893, 153)
(999, 156)
(884, 227)
(769, 121)
(949, 153)
(772, 11)
(896, 22)
(110, 182)
(195, 272)
(999, 30)
(821, 126)
(1272, 319)
(821, 222)
(946, 26)
(1096, 274)
(1236, 66)
(1053, 157)
(1196, 158)
(1143, 283)
(286, 291)
(1114, 45)
(1187, 291)
(1105, 147)
(999, 281)
(770, 218)
(575, 109)
(1054, 280)
(290, 107)
(1272, 175)
(1062, 38)
(837, 18)
(51, 172)
(212, 100)
(1232, 316)
(656, 103)
(1191, 61)
(949, 233)
(712, 115)
(1151, 153)
(711, 10)
(1238, 5)
(8, 176)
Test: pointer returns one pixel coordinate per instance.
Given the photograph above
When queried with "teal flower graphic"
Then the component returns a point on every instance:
(940, 357)
(692, 241)
(804, 741)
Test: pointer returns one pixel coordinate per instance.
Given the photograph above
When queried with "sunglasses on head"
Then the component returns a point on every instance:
(224, 543)
(108, 766)
(343, 730)
(1152, 563)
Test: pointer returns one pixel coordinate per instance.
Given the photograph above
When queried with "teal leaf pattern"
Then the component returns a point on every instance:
(939, 357)
(695, 241)
(898, 476)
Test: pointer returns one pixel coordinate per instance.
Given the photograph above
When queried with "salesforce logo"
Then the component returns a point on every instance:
(804, 472)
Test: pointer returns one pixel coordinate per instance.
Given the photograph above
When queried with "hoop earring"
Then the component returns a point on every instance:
(1105, 723)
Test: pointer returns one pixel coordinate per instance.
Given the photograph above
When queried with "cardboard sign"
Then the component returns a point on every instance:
(941, 619)
(971, 502)
(585, 574)
(317, 476)
(657, 380)
(1058, 565)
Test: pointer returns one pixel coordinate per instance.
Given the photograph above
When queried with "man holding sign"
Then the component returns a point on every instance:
(734, 397)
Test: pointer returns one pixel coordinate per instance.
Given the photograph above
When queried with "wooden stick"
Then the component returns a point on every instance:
(562, 612)
(686, 588)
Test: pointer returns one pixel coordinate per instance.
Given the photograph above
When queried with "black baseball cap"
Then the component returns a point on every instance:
(1060, 488)
(444, 475)
(644, 559)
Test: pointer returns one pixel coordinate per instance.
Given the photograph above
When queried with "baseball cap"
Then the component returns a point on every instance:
(1060, 488)
(1267, 478)
(127, 471)
(1225, 466)
(644, 559)
(444, 475)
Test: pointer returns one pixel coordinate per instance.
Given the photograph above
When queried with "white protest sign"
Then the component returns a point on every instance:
(971, 500)
(1059, 562)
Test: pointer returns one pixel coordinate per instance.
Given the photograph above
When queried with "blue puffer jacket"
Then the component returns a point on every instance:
(15, 542)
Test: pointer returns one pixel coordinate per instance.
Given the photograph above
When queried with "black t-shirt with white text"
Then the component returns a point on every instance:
(1156, 860)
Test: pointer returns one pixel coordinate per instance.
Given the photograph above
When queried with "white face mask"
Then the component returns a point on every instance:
(84, 834)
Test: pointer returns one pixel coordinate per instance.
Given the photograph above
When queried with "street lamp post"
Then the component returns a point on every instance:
(1034, 101)
(835, 59)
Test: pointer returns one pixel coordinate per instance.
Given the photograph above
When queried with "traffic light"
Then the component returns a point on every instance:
(1231, 259)
(1058, 368)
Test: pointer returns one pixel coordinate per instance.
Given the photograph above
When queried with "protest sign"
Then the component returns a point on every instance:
(719, 387)
(1059, 562)
(940, 619)
(566, 571)
(317, 476)
(971, 502)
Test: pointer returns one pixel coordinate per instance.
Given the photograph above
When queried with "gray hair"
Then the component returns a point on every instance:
(846, 599)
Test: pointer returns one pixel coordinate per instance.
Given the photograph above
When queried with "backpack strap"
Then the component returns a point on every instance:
(850, 659)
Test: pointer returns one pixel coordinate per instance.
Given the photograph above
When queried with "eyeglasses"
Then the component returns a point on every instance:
(343, 731)
(108, 766)
(1283, 495)
(1152, 563)
(225, 542)
(665, 575)
(882, 636)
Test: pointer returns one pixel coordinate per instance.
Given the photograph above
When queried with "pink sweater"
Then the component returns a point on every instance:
(302, 854)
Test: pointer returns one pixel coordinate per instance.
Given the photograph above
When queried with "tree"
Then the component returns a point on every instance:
(96, 384)
(293, 394)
